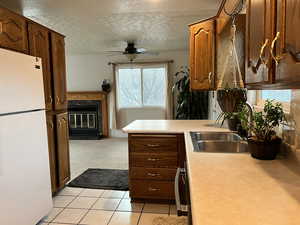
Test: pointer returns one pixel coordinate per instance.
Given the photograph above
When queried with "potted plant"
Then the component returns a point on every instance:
(229, 99)
(190, 104)
(263, 143)
(233, 118)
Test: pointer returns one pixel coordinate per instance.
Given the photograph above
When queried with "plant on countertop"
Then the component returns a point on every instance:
(190, 104)
(263, 142)
(264, 123)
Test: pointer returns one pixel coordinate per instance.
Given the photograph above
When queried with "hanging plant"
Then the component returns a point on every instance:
(230, 98)
(231, 92)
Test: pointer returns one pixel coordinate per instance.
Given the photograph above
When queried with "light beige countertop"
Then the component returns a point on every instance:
(171, 126)
(235, 189)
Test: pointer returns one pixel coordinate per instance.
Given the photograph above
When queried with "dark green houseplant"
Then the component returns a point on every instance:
(233, 118)
(190, 104)
(263, 143)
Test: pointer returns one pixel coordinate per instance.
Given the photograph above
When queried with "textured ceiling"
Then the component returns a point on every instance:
(93, 26)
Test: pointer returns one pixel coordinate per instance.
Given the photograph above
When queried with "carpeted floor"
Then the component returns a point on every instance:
(110, 153)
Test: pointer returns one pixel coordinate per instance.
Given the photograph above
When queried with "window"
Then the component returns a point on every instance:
(282, 96)
(141, 86)
(277, 95)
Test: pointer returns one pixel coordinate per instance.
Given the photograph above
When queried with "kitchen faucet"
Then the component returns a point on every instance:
(250, 108)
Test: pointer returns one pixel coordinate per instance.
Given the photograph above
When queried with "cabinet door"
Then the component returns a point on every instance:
(63, 157)
(59, 71)
(260, 30)
(286, 51)
(39, 46)
(202, 53)
(52, 153)
(13, 31)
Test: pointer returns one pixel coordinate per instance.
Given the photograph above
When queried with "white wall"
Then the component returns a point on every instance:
(86, 72)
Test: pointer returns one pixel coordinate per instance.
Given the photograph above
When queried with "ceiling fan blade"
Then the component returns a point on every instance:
(150, 53)
(141, 50)
(113, 51)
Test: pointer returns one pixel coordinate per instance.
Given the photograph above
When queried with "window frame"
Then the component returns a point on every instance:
(259, 105)
(142, 67)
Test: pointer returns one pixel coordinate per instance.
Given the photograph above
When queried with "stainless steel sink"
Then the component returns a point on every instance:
(218, 142)
(222, 136)
(221, 146)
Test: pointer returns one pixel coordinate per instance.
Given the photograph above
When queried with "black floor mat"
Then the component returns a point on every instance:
(102, 179)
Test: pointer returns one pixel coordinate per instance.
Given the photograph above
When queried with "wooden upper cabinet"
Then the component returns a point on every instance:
(13, 31)
(202, 55)
(52, 152)
(63, 155)
(260, 30)
(286, 43)
(59, 71)
(39, 45)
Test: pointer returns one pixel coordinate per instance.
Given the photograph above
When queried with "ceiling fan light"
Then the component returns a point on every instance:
(131, 57)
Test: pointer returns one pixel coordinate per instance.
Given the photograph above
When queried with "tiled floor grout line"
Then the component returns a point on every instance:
(140, 216)
(75, 196)
(89, 209)
(115, 210)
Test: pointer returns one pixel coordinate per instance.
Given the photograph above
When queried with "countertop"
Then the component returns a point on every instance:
(235, 189)
(171, 126)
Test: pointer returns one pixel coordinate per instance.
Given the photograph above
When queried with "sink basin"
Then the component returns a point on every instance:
(221, 146)
(222, 136)
(222, 142)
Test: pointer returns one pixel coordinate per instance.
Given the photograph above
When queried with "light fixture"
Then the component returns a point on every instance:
(131, 57)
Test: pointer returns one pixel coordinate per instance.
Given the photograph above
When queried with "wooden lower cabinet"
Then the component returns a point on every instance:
(153, 161)
(52, 152)
(148, 189)
(62, 143)
(58, 142)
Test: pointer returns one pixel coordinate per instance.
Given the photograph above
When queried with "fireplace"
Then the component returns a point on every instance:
(85, 119)
(88, 115)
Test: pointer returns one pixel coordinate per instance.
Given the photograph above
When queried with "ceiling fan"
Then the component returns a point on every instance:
(131, 52)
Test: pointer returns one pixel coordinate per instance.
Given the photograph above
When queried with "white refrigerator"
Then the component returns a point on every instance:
(25, 190)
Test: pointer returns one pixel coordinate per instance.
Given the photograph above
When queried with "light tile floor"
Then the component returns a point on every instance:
(78, 206)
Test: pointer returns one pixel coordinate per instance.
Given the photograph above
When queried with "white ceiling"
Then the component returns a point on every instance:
(93, 26)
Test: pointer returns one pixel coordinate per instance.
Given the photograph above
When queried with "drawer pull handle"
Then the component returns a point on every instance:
(153, 174)
(153, 145)
(151, 159)
(153, 189)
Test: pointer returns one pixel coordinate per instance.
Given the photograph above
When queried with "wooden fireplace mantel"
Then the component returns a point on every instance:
(94, 95)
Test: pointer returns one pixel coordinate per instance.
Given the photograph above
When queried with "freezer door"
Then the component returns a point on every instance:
(21, 82)
(25, 192)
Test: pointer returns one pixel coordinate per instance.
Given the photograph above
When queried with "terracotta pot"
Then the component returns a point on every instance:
(264, 150)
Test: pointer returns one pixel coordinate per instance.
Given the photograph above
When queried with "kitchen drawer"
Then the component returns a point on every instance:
(152, 173)
(153, 160)
(152, 143)
(152, 189)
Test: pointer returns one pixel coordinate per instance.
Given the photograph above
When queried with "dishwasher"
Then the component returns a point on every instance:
(182, 194)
